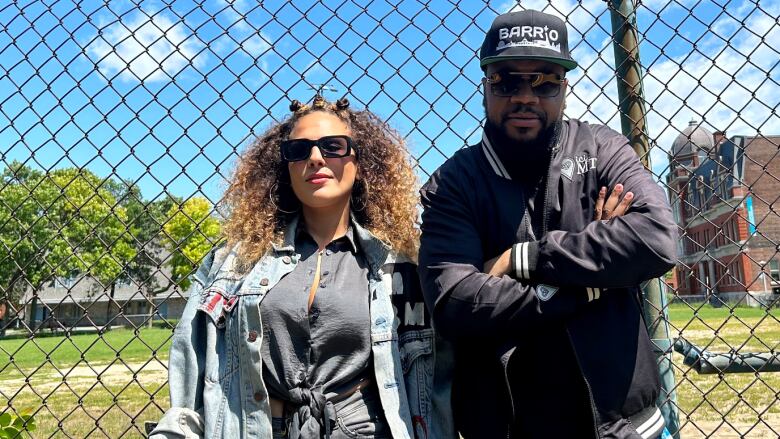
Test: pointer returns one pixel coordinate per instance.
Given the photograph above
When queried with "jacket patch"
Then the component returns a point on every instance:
(567, 168)
(217, 305)
(407, 298)
(580, 164)
(545, 292)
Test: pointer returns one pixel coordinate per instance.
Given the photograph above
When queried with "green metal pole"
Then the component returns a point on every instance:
(633, 122)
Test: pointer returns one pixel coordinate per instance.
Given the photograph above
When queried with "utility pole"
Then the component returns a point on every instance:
(625, 40)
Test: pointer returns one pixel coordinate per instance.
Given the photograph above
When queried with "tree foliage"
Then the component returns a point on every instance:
(69, 223)
(192, 232)
(59, 224)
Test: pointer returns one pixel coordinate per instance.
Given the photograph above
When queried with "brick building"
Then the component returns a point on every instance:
(722, 192)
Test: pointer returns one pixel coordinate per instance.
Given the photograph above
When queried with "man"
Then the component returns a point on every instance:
(542, 302)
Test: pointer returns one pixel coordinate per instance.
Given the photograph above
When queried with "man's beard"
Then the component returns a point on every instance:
(524, 159)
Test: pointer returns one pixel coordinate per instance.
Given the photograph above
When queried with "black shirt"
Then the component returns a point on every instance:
(328, 347)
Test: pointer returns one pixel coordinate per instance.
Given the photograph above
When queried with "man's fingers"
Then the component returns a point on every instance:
(600, 203)
(612, 202)
(625, 203)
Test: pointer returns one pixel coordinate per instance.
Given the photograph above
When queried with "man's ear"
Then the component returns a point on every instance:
(484, 93)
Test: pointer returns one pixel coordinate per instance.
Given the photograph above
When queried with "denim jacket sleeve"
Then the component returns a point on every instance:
(186, 366)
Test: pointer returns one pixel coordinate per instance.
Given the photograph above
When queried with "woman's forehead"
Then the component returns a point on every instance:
(318, 124)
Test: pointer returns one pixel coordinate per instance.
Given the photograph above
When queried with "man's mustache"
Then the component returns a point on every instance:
(526, 109)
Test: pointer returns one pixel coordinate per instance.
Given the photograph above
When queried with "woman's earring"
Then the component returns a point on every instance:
(271, 193)
(364, 197)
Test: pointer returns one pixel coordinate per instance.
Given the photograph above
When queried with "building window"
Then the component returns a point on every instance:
(774, 270)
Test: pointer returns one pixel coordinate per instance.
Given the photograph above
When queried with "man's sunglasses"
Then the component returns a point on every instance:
(295, 150)
(543, 85)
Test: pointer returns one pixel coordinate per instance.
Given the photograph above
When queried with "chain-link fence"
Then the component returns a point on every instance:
(119, 123)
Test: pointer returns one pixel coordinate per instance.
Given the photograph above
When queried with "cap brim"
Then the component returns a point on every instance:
(565, 63)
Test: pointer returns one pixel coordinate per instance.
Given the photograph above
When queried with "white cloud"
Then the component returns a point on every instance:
(253, 42)
(689, 86)
(577, 14)
(256, 45)
(145, 48)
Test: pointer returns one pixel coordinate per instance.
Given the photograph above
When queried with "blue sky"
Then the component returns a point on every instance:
(167, 95)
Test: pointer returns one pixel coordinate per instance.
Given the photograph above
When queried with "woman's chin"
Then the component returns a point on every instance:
(319, 200)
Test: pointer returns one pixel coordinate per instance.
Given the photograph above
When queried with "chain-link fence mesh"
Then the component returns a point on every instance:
(120, 122)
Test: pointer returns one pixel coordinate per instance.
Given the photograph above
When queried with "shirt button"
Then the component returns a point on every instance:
(259, 396)
(252, 336)
(325, 273)
(264, 281)
(286, 259)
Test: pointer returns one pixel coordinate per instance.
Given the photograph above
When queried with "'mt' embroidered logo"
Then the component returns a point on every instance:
(580, 164)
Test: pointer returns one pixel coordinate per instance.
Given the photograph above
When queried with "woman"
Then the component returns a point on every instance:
(309, 323)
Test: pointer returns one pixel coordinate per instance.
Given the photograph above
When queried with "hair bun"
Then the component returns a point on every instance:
(342, 104)
(295, 105)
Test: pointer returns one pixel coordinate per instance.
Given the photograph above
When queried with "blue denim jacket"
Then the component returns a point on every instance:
(215, 366)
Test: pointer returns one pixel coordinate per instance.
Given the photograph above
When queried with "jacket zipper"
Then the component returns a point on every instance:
(568, 333)
(587, 384)
(511, 399)
(545, 214)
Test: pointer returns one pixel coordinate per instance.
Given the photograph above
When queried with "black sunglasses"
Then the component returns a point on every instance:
(543, 85)
(295, 150)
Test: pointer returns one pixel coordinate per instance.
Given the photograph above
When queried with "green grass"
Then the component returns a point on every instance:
(680, 313)
(130, 345)
(81, 385)
(92, 393)
(731, 405)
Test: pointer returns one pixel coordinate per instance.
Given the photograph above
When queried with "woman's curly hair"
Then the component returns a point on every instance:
(260, 201)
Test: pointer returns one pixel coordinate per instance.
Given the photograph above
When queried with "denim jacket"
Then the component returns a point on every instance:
(215, 365)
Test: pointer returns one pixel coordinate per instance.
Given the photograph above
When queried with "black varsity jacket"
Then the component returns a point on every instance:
(578, 277)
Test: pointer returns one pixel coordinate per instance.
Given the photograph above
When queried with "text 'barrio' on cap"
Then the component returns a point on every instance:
(527, 35)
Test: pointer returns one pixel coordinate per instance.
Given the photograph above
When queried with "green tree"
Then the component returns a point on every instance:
(63, 223)
(192, 231)
(145, 224)
(23, 234)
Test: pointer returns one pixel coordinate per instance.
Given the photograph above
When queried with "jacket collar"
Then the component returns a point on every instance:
(495, 162)
(376, 252)
(492, 157)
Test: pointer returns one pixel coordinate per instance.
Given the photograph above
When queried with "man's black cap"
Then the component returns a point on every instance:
(527, 34)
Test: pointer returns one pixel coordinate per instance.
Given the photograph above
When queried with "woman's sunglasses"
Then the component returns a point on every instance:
(295, 150)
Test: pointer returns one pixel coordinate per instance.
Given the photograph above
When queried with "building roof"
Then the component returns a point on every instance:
(717, 173)
(86, 289)
(693, 140)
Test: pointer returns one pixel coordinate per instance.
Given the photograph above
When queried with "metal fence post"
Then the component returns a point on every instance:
(633, 123)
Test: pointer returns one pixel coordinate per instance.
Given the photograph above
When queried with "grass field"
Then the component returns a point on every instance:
(90, 386)
(734, 405)
(96, 386)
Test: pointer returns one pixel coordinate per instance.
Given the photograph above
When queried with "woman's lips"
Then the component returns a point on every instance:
(318, 178)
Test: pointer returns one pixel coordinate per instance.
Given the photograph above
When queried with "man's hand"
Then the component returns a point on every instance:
(606, 209)
(612, 207)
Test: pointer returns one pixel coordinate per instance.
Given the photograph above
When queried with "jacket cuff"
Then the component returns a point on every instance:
(524, 256)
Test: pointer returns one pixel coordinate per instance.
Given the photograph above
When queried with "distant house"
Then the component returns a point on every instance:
(722, 192)
(83, 301)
